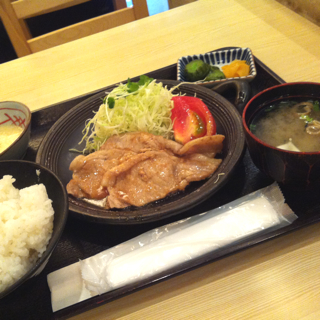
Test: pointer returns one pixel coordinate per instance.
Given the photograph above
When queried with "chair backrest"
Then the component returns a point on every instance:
(177, 3)
(14, 12)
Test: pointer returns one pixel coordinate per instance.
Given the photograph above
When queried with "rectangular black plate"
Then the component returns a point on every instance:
(81, 239)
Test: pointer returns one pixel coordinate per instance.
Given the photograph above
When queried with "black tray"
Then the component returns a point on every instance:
(82, 239)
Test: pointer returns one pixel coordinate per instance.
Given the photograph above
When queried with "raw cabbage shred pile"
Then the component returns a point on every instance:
(136, 106)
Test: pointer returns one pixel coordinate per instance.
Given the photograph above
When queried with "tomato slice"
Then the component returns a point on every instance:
(192, 119)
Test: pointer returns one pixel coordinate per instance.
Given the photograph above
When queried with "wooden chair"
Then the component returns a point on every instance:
(14, 12)
(177, 3)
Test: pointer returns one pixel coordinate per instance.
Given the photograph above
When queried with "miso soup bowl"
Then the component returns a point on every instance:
(18, 114)
(290, 168)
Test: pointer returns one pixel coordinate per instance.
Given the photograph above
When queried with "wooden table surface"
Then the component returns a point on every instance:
(278, 279)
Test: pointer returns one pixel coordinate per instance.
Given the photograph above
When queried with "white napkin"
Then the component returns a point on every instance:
(163, 248)
(67, 287)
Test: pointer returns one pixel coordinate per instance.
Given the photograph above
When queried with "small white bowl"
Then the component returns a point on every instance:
(16, 113)
(218, 58)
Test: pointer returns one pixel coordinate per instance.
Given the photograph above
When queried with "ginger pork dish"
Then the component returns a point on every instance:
(143, 144)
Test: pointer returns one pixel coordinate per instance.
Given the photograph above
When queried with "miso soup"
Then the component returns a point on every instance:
(293, 125)
(8, 134)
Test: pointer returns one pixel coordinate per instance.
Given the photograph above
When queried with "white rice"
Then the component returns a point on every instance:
(26, 224)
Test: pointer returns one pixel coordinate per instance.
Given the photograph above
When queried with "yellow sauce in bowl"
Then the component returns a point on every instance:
(8, 134)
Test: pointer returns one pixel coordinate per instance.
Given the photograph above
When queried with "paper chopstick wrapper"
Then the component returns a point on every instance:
(160, 249)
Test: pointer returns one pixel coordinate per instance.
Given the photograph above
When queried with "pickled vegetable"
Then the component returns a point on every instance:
(237, 68)
(196, 70)
(214, 74)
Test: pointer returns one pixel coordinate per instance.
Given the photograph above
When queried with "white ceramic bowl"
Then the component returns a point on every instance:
(16, 113)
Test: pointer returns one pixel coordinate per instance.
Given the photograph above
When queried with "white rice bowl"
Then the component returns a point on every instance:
(26, 225)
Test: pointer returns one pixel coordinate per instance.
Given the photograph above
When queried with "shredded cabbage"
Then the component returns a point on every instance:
(146, 109)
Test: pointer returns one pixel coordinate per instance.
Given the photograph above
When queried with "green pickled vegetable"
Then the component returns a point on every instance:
(196, 70)
(215, 74)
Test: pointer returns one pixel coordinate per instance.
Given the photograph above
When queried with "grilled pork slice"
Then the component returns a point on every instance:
(88, 172)
(152, 175)
(141, 142)
(138, 168)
